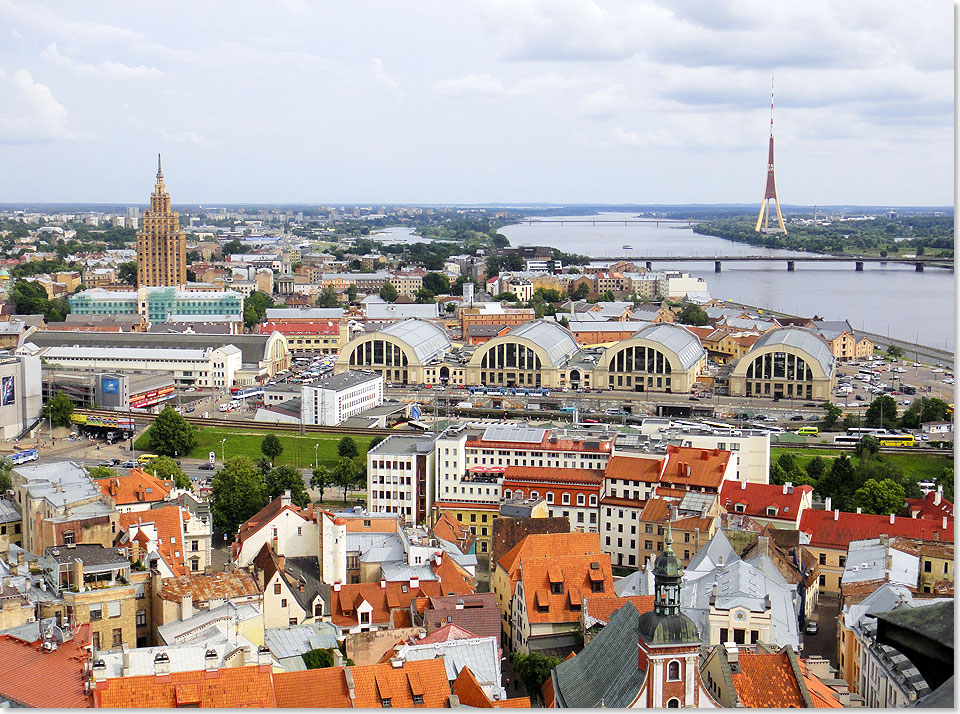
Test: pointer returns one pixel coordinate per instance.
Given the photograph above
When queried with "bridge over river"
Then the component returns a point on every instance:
(918, 262)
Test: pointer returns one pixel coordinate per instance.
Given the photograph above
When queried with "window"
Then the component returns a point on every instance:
(276, 588)
(293, 621)
(194, 565)
(418, 699)
(686, 537)
(283, 602)
(550, 498)
(673, 670)
(648, 528)
(96, 640)
(596, 586)
(194, 546)
(823, 559)
(556, 588)
(318, 610)
(673, 703)
(117, 637)
(385, 703)
(96, 612)
(928, 566)
(113, 608)
(581, 500)
(823, 581)
(843, 560)
(299, 530)
(141, 618)
(69, 538)
(739, 508)
(648, 545)
(565, 499)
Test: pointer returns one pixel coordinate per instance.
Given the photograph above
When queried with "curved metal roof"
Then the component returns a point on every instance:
(801, 339)
(681, 342)
(426, 339)
(558, 342)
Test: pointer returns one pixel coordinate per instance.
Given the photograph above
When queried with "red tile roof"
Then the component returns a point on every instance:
(136, 487)
(448, 528)
(471, 694)
(32, 677)
(602, 607)
(541, 474)
(756, 497)
(231, 687)
(635, 468)
(829, 532)
(823, 697)
(576, 574)
(927, 507)
(446, 633)
(545, 545)
(688, 466)
(767, 681)
(168, 522)
(425, 678)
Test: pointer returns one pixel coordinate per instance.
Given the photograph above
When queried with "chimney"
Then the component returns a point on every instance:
(99, 669)
(186, 607)
(836, 514)
(161, 663)
(763, 545)
(125, 671)
(688, 469)
(743, 484)
(285, 499)
(134, 550)
(459, 604)
(944, 523)
(828, 503)
(396, 663)
(337, 586)
(351, 689)
(78, 574)
(20, 559)
(891, 518)
(414, 581)
(210, 660)
(383, 583)
(733, 656)
(859, 509)
(438, 556)
(263, 655)
(938, 496)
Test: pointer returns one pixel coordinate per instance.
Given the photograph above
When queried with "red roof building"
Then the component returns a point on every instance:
(780, 506)
(33, 677)
(571, 493)
(135, 491)
(932, 506)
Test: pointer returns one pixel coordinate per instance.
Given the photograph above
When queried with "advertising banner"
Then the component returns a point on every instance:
(7, 393)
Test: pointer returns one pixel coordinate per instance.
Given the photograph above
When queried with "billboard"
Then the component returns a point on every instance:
(111, 385)
(7, 393)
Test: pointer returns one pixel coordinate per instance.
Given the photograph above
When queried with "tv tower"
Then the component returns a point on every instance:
(771, 189)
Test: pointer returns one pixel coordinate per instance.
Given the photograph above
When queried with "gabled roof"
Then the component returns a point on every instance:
(384, 600)
(312, 689)
(230, 687)
(508, 532)
(602, 607)
(634, 468)
(823, 696)
(471, 694)
(767, 681)
(425, 678)
(546, 545)
(479, 614)
(167, 522)
(549, 474)
(757, 497)
(32, 677)
(693, 467)
(216, 586)
(828, 529)
(577, 574)
(267, 514)
(932, 506)
(448, 528)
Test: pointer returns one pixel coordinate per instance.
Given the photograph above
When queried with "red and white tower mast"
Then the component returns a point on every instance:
(770, 192)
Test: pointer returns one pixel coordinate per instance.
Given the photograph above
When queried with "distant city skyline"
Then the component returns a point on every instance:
(500, 102)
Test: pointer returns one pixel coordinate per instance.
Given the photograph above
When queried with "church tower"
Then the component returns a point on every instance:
(668, 644)
(161, 245)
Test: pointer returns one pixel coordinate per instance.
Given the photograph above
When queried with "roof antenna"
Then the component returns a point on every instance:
(160, 170)
(771, 105)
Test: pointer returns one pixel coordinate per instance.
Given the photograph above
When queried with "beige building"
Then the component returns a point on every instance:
(406, 283)
(658, 358)
(161, 245)
(790, 362)
(535, 354)
(407, 352)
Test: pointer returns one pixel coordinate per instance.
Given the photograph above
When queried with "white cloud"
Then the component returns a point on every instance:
(102, 70)
(477, 84)
(656, 137)
(29, 113)
(186, 137)
(604, 103)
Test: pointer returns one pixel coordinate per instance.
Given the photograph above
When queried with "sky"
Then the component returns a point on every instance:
(511, 101)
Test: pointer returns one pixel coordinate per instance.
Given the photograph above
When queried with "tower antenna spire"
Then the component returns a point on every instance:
(160, 168)
(770, 191)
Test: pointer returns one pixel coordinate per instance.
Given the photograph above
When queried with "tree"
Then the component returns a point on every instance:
(923, 410)
(533, 669)
(321, 480)
(101, 472)
(867, 447)
(287, 478)
(59, 409)
(166, 468)
(437, 283)
(6, 477)
(238, 493)
(582, 291)
(882, 412)
(424, 296)
(548, 294)
(791, 469)
(880, 497)
(693, 314)
(375, 441)
(894, 352)
(347, 448)
(389, 292)
(127, 273)
(171, 434)
(564, 322)
(328, 297)
(345, 474)
(506, 297)
(255, 308)
(352, 293)
(831, 415)
(838, 482)
(945, 479)
(607, 296)
(816, 468)
(318, 658)
(271, 447)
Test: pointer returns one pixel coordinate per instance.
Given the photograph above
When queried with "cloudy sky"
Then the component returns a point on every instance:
(640, 101)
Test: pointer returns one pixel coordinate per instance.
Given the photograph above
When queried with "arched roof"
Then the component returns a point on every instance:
(800, 339)
(426, 339)
(681, 342)
(556, 341)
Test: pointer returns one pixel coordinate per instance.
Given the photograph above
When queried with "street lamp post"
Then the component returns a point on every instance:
(222, 457)
(317, 446)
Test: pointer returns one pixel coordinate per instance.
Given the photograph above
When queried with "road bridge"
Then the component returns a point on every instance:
(858, 261)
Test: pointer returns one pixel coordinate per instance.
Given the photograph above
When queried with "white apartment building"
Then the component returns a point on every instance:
(190, 367)
(340, 396)
(400, 477)
(749, 448)
(676, 285)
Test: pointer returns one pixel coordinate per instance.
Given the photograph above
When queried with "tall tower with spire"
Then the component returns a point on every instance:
(161, 245)
(770, 192)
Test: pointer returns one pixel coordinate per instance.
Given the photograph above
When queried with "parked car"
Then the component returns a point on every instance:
(108, 464)
(207, 467)
(812, 628)
(810, 404)
(130, 464)
(797, 417)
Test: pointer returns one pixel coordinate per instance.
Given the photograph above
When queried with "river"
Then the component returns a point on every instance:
(888, 299)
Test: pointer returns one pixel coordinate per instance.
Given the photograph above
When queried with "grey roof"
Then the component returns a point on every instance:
(559, 343)
(184, 658)
(92, 555)
(204, 318)
(376, 311)
(252, 347)
(294, 641)
(513, 432)
(376, 547)
(8, 512)
(51, 354)
(605, 673)
(207, 623)
(675, 338)
(397, 444)
(717, 551)
(427, 340)
(59, 482)
(480, 654)
(304, 313)
(305, 569)
(872, 560)
(344, 380)
(12, 327)
(614, 309)
(802, 339)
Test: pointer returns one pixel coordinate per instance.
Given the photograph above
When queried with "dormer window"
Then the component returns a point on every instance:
(556, 588)
(740, 507)
(772, 510)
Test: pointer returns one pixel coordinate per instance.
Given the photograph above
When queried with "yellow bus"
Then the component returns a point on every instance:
(145, 459)
(896, 440)
(808, 431)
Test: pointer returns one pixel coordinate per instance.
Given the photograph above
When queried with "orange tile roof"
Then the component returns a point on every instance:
(396, 595)
(827, 532)
(656, 509)
(688, 466)
(34, 678)
(169, 524)
(136, 487)
(545, 545)
(823, 696)
(312, 689)
(448, 632)
(767, 681)
(216, 586)
(578, 573)
(543, 474)
(466, 506)
(376, 682)
(450, 529)
(471, 694)
(602, 607)
(231, 687)
(266, 515)
(634, 468)
(756, 497)
(378, 524)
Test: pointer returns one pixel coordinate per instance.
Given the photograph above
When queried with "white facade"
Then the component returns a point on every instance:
(340, 397)
(749, 448)
(453, 481)
(189, 367)
(400, 477)
(21, 396)
(676, 285)
(290, 534)
(332, 532)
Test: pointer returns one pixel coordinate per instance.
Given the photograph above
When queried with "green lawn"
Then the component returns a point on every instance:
(922, 467)
(243, 441)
